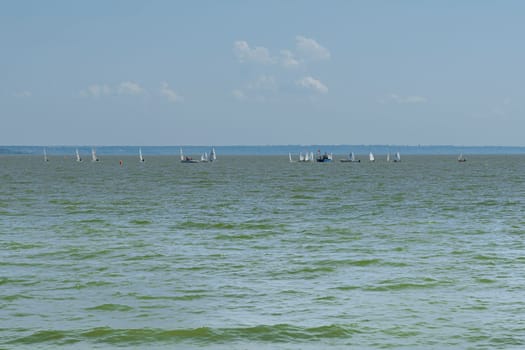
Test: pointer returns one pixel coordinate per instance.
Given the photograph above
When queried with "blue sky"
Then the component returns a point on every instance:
(262, 72)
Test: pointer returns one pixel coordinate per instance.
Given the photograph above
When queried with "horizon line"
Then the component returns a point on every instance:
(269, 145)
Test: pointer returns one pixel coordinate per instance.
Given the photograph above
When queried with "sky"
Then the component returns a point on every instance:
(262, 72)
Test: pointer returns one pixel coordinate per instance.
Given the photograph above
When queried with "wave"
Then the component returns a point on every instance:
(280, 333)
(395, 285)
(140, 222)
(256, 225)
(110, 307)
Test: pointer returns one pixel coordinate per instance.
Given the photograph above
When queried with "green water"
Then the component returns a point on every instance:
(260, 253)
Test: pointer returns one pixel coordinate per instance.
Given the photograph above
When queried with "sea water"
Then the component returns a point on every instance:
(255, 252)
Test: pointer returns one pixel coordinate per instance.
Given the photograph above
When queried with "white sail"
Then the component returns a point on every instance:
(352, 157)
(45, 156)
(213, 156)
(371, 157)
(388, 157)
(290, 157)
(307, 157)
(181, 154)
(312, 156)
(301, 157)
(204, 157)
(140, 155)
(398, 157)
(94, 157)
(78, 156)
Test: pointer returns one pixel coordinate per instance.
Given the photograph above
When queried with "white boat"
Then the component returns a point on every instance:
(388, 157)
(461, 158)
(186, 159)
(213, 155)
(94, 157)
(78, 156)
(45, 156)
(350, 159)
(140, 155)
(290, 157)
(204, 157)
(371, 157)
(397, 157)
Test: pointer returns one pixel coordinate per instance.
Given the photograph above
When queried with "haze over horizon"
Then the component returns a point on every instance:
(262, 73)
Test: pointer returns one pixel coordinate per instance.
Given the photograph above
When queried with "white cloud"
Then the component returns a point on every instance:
(96, 91)
(129, 88)
(23, 94)
(238, 94)
(261, 89)
(502, 109)
(313, 84)
(306, 49)
(412, 99)
(264, 82)
(123, 88)
(258, 54)
(311, 50)
(288, 59)
(170, 94)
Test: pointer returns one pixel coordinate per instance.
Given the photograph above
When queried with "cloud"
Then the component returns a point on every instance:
(258, 54)
(261, 89)
(264, 82)
(313, 84)
(96, 91)
(306, 50)
(239, 94)
(311, 50)
(412, 99)
(170, 94)
(502, 109)
(101, 90)
(288, 59)
(129, 88)
(23, 94)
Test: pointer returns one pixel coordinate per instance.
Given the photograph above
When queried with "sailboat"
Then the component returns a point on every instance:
(94, 157)
(351, 159)
(140, 155)
(371, 157)
(388, 157)
(461, 158)
(306, 157)
(397, 157)
(204, 157)
(186, 159)
(324, 158)
(45, 156)
(290, 157)
(309, 157)
(78, 156)
(213, 155)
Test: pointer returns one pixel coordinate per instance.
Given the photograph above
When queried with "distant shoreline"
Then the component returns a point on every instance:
(265, 150)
